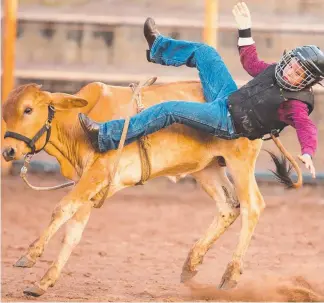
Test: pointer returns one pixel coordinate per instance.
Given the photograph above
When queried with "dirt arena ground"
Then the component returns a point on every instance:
(134, 246)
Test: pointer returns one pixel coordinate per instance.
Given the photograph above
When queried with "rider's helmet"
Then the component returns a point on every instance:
(310, 60)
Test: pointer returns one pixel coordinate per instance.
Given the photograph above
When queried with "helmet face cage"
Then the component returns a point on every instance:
(287, 60)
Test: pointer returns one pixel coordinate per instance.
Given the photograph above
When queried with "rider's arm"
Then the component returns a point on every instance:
(250, 60)
(295, 113)
(248, 54)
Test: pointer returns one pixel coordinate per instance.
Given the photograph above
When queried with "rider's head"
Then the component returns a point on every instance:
(300, 68)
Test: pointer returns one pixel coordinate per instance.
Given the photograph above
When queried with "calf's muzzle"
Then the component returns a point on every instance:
(9, 153)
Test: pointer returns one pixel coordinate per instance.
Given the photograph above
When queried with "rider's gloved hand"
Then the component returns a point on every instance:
(244, 22)
(242, 15)
(307, 160)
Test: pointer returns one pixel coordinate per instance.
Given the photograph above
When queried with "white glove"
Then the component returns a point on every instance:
(242, 15)
(243, 19)
(307, 160)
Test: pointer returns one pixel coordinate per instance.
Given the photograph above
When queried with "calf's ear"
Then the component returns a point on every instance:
(63, 101)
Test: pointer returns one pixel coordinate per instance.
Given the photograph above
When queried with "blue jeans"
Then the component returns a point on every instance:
(211, 117)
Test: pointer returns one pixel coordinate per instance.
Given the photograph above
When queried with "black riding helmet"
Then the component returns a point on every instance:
(311, 57)
(311, 60)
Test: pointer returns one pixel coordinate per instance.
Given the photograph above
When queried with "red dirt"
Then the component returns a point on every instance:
(134, 246)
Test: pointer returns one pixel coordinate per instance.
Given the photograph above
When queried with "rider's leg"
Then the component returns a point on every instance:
(212, 118)
(217, 84)
(216, 79)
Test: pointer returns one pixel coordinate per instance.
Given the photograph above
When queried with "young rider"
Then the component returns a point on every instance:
(279, 94)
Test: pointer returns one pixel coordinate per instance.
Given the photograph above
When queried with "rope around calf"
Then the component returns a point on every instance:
(23, 175)
(136, 93)
(144, 143)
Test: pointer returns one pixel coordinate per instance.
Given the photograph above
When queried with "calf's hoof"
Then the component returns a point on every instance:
(34, 291)
(24, 262)
(227, 284)
(187, 275)
(231, 276)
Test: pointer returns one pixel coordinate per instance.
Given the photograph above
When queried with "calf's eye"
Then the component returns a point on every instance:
(28, 110)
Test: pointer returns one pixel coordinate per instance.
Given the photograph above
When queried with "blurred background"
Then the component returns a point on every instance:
(65, 44)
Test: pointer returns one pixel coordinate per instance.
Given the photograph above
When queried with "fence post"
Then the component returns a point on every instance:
(211, 22)
(8, 60)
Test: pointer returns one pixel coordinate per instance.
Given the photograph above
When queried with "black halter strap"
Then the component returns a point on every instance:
(31, 142)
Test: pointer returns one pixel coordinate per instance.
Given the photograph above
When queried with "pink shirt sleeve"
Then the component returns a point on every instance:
(295, 113)
(292, 112)
(250, 60)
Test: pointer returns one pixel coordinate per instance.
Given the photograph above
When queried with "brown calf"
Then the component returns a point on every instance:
(185, 152)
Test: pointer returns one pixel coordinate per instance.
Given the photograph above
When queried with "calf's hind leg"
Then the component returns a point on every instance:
(214, 181)
(252, 204)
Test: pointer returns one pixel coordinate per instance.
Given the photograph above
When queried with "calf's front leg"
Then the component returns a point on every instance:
(74, 230)
(62, 212)
(85, 189)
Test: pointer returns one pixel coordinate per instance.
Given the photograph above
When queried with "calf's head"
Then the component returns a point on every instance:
(28, 112)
